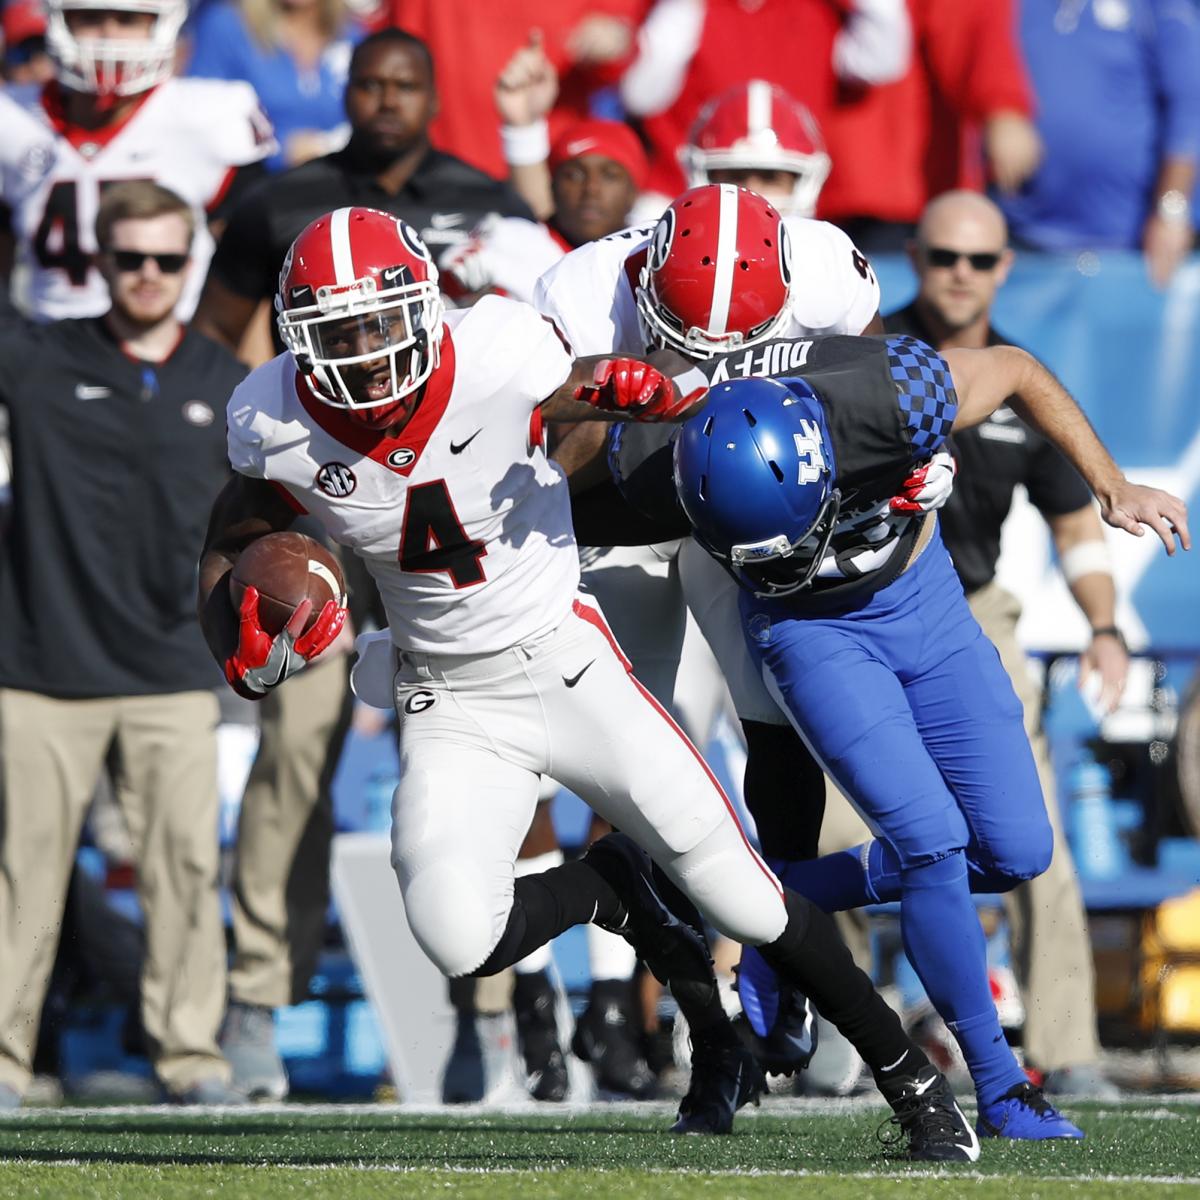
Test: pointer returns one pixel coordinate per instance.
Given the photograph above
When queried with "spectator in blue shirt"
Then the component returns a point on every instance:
(1118, 88)
(295, 53)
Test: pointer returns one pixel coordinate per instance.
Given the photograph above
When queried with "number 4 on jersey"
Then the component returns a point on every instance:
(433, 538)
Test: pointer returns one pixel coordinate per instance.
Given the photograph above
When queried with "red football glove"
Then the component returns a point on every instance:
(928, 486)
(628, 385)
(262, 662)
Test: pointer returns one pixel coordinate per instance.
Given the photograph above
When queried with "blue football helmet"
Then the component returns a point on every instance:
(754, 472)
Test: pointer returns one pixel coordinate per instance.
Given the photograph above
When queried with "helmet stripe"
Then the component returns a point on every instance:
(758, 106)
(339, 238)
(727, 247)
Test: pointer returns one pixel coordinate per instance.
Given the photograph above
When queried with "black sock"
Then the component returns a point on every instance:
(546, 904)
(784, 789)
(811, 956)
(699, 998)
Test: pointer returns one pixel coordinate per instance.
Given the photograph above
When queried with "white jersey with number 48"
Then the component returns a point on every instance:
(190, 135)
(461, 519)
(589, 294)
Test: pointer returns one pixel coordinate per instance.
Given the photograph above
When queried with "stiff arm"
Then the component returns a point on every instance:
(986, 379)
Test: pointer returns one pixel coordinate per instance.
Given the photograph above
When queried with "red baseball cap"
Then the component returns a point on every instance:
(23, 19)
(611, 139)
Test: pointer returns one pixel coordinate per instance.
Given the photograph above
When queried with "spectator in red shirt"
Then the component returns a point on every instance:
(689, 51)
(587, 41)
(894, 147)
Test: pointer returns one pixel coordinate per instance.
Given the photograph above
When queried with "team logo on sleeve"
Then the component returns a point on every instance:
(336, 479)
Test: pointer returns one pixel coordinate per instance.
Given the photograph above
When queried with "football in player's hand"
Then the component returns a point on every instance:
(286, 568)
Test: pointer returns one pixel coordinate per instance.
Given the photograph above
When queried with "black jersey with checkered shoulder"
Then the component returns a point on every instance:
(889, 403)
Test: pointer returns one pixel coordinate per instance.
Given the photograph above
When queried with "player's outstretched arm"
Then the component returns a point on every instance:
(612, 387)
(985, 379)
(245, 510)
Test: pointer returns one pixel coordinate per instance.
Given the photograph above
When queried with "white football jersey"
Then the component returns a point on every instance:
(462, 521)
(507, 254)
(187, 134)
(589, 294)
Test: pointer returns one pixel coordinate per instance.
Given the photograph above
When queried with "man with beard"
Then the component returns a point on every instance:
(117, 447)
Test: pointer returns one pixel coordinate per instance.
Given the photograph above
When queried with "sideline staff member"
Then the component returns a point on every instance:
(118, 448)
(388, 164)
(961, 258)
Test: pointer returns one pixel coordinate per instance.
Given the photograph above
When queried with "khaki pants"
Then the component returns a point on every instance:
(1052, 953)
(1052, 956)
(281, 878)
(51, 753)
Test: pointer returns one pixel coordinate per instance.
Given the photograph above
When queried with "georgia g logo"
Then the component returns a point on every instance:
(412, 241)
(419, 701)
(660, 246)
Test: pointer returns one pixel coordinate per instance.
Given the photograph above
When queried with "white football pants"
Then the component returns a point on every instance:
(477, 731)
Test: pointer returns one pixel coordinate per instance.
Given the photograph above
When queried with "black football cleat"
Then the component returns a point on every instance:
(670, 947)
(537, 1037)
(725, 1076)
(606, 1038)
(926, 1113)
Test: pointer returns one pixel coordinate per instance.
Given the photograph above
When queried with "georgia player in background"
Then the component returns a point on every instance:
(114, 112)
(759, 137)
(416, 441)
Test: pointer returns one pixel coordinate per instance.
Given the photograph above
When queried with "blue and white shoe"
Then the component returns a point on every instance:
(758, 989)
(1024, 1114)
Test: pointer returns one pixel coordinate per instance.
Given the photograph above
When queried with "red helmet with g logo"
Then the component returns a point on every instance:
(718, 273)
(359, 308)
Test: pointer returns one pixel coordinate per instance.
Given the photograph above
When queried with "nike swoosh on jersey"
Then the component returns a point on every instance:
(574, 679)
(88, 391)
(459, 447)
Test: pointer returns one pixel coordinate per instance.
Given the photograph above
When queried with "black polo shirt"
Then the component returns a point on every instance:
(444, 199)
(993, 458)
(116, 463)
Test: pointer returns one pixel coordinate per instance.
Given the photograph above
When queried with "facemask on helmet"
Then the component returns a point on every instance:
(114, 66)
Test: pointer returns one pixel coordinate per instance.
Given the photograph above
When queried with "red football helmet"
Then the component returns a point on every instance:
(718, 273)
(757, 126)
(359, 308)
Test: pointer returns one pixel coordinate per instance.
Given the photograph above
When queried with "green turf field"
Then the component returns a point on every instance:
(787, 1148)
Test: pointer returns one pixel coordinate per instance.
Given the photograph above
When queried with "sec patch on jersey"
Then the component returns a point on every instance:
(287, 568)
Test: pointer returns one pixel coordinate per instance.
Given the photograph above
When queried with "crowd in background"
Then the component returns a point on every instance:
(506, 134)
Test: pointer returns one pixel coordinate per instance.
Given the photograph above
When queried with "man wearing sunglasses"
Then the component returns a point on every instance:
(118, 444)
(961, 258)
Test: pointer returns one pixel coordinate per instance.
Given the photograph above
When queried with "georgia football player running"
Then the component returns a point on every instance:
(114, 112)
(413, 436)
